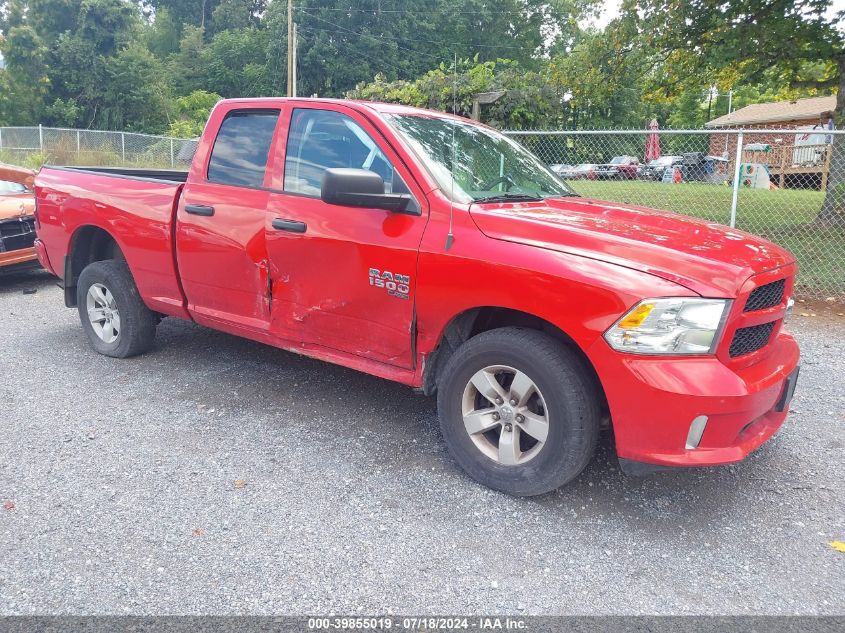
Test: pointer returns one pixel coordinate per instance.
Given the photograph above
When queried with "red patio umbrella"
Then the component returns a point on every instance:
(652, 142)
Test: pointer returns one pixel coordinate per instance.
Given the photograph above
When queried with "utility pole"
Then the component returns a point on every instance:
(291, 67)
(293, 63)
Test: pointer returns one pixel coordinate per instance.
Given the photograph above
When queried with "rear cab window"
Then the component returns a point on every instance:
(241, 149)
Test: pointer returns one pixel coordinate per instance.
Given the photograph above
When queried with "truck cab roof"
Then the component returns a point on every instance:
(374, 106)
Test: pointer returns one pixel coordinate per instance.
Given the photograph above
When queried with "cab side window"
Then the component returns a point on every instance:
(319, 140)
(239, 156)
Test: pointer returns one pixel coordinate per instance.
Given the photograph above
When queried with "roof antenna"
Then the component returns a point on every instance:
(450, 237)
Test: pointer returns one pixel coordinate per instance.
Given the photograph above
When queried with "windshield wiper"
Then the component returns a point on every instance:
(510, 197)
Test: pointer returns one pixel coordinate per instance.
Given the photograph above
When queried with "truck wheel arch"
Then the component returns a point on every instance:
(474, 321)
(89, 243)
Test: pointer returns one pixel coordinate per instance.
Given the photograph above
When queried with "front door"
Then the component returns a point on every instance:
(343, 277)
(221, 245)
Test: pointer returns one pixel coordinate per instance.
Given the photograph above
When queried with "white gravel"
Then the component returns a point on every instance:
(217, 475)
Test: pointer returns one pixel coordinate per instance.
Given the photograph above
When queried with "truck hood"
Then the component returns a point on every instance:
(14, 173)
(709, 259)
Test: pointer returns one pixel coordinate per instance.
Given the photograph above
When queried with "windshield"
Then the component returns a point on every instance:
(11, 187)
(487, 164)
(619, 160)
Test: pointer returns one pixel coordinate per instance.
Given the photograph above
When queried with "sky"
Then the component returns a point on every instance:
(611, 10)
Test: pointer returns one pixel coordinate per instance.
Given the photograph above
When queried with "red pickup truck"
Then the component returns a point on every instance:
(434, 251)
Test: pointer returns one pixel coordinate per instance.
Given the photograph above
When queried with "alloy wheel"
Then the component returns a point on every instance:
(103, 313)
(505, 414)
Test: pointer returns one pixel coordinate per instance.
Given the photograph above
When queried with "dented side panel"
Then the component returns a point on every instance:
(347, 282)
(222, 255)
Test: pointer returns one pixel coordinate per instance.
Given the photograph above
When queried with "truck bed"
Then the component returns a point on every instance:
(135, 206)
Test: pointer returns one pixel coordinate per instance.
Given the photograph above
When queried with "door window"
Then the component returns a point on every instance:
(322, 139)
(240, 151)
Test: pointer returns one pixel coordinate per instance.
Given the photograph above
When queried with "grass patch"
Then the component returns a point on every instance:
(88, 158)
(784, 216)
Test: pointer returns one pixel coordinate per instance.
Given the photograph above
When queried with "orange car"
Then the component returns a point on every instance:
(17, 219)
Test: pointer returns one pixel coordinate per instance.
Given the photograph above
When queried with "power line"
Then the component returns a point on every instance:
(358, 54)
(440, 10)
(405, 39)
(342, 28)
(381, 37)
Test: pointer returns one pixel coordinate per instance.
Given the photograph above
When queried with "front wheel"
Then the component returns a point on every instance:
(113, 315)
(518, 411)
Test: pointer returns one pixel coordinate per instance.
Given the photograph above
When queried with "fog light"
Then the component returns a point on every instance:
(696, 430)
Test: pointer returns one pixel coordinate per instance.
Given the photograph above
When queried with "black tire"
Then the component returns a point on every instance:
(137, 321)
(572, 407)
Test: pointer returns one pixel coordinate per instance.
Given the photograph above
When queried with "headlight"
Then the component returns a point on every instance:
(669, 326)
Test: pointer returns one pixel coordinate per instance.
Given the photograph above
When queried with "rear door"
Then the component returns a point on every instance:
(220, 233)
(343, 277)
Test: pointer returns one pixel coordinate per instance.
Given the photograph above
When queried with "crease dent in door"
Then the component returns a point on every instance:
(264, 276)
(256, 252)
(351, 272)
(301, 312)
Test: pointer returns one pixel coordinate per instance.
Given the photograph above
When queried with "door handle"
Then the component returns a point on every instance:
(199, 209)
(293, 226)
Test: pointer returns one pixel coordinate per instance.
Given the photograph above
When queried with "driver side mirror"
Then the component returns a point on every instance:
(360, 188)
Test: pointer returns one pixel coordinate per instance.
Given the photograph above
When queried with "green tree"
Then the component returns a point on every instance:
(12, 13)
(26, 75)
(192, 112)
(51, 18)
(99, 74)
(187, 66)
(234, 63)
(601, 86)
(749, 39)
(235, 15)
(163, 34)
(343, 45)
(527, 100)
(134, 97)
(187, 12)
(107, 25)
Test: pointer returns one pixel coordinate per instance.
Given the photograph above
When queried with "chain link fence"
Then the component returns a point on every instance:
(771, 183)
(33, 146)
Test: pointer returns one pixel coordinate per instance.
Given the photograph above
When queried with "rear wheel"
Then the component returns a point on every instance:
(114, 317)
(518, 411)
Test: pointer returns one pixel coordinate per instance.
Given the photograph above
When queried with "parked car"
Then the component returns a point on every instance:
(698, 166)
(560, 169)
(619, 168)
(655, 169)
(352, 232)
(584, 171)
(17, 222)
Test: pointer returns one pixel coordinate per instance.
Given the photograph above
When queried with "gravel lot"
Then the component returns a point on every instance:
(217, 475)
